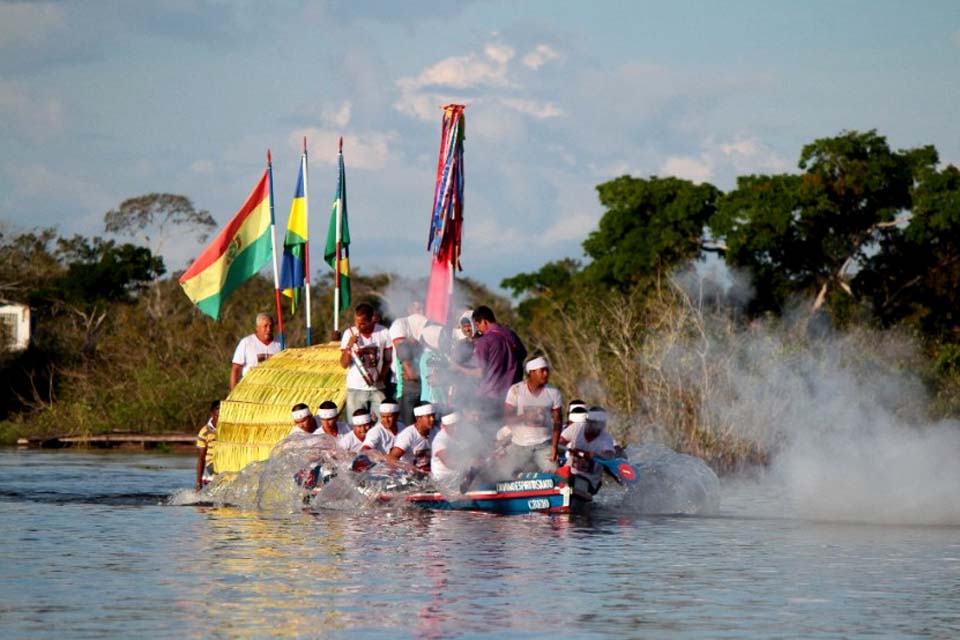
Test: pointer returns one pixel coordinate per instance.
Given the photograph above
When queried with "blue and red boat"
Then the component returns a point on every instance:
(528, 493)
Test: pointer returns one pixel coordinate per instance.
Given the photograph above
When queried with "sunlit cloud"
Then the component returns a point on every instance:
(369, 150)
(540, 56)
(539, 110)
(36, 116)
(339, 116)
(30, 23)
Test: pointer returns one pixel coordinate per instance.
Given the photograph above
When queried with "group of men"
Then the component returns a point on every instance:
(463, 400)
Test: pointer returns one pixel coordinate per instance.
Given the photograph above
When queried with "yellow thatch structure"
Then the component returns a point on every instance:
(256, 414)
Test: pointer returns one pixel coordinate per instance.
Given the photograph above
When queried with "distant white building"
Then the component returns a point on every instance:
(15, 318)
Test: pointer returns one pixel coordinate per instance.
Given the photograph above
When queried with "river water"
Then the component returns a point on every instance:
(92, 548)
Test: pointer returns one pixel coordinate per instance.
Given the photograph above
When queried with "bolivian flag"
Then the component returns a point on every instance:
(236, 254)
(292, 269)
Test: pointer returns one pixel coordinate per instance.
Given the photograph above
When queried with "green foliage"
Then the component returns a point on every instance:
(650, 226)
(804, 235)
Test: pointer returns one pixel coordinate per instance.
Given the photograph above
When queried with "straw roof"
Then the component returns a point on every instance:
(256, 414)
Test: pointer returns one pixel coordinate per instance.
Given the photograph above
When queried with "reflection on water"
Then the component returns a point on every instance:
(83, 561)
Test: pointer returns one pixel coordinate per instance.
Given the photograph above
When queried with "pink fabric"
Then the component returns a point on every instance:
(438, 293)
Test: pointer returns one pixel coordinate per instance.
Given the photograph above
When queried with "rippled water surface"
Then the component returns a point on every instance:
(91, 548)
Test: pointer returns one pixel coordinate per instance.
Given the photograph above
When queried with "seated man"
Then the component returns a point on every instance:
(352, 440)
(380, 438)
(206, 442)
(303, 421)
(413, 443)
(450, 458)
(327, 412)
(585, 438)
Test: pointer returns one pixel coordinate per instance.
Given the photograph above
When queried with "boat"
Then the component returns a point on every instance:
(534, 492)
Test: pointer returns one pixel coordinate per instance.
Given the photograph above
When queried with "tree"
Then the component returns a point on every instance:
(806, 234)
(915, 275)
(650, 226)
(151, 217)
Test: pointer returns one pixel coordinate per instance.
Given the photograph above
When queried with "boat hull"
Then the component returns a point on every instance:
(530, 493)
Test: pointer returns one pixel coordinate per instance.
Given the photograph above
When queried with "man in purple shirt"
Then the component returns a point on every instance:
(498, 355)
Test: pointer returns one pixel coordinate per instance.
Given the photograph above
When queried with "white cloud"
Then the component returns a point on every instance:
(35, 115)
(540, 56)
(571, 228)
(743, 155)
(460, 72)
(339, 117)
(369, 150)
(539, 110)
(426, 106)
(30, 23)
(203, 167)
(499, 53)
(697, 169)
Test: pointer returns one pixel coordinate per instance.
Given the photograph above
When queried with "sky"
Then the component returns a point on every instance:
(101, 101)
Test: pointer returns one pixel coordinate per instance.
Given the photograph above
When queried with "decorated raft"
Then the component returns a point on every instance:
(256, 414)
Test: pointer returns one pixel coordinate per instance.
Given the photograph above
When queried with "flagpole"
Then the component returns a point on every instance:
(336, 274)
(306, 246)
(273, 244)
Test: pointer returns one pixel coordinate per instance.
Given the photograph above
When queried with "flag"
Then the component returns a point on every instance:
(446, 219)
(238, 252)
(340, 262)
(292, 267)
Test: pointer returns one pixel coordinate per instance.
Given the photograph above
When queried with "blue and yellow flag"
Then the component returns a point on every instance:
(292, 268)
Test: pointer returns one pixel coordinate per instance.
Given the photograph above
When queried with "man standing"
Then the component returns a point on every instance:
(366, 352)
(405, 335)
(254, 349)
(499, 354)
(206, 441)
(533, 410)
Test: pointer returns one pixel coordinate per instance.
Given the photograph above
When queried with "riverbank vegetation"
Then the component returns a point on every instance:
(659, 323)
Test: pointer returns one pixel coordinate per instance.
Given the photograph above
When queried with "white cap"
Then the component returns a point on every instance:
(362, 419)
(537, 363)
(580, 416)
(424, 410)
(300, 414)
(451, 418)
(327, 414)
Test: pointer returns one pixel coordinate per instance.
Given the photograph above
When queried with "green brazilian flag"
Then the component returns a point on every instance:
(330, 253)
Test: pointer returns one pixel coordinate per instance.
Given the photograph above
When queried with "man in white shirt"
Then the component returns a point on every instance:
(327, 413)
(366, 351)
(533, 411)
(381, 437)
(352, 441)
(450, 456)
(254, 349)
(586, 437)
(413, 443)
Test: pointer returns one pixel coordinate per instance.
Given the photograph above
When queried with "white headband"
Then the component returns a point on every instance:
(300, 414)
(598, 416)
(575, 406)
(327, 414)
(537, 363)
(580, 416)
(450, 418)
(424, 410)
(362, 419)
(389, 407)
